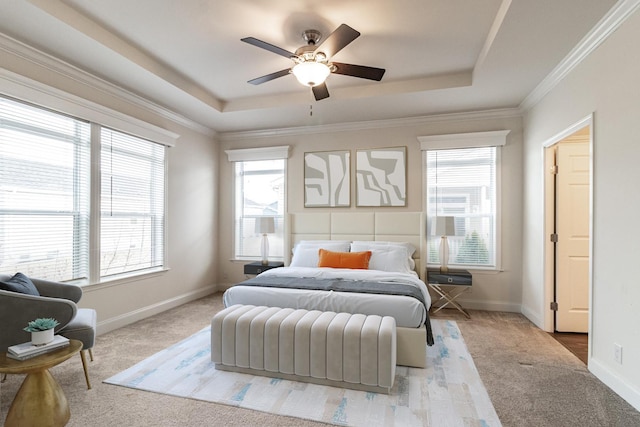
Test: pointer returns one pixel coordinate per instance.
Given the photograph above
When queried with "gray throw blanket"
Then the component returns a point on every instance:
(340, 285)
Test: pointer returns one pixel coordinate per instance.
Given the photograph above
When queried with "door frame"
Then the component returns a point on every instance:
(548, 224)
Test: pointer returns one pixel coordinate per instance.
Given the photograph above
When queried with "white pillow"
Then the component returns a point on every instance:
(388, 256)
(319, 243)
(305, 253)
(369, 243)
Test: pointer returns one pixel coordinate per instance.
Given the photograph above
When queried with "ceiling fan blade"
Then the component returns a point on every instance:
(320, 92)
(269, 77)
(360, 71)
(342, 36)
(268, 46)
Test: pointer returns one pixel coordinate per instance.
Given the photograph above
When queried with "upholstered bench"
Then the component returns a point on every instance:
(340, 349)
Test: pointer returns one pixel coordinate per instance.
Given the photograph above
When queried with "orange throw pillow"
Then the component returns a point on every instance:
(357, 260)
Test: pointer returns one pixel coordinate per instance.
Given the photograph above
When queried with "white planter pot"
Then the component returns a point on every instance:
(42, 337)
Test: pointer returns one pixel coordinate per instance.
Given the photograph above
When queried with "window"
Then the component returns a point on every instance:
(44, 192)
(260, 192)
(45, 197)
(462, 183)
(132, 204)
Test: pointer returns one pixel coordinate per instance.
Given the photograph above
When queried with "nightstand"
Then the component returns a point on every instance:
(256, 268)
(449, 285)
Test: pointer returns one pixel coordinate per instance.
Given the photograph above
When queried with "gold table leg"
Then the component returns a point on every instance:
(449, 297)
(40, 402)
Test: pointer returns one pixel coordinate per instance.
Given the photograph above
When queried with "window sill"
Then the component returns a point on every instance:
(122, 279)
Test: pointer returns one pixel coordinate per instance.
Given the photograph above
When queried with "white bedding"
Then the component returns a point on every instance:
(408, 311)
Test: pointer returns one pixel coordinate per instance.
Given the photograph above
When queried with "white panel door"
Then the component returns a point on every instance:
(572, 227)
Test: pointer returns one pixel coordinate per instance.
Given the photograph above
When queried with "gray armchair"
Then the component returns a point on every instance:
(57, 300)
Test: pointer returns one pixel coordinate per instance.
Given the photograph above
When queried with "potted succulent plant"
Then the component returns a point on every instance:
(41, 330)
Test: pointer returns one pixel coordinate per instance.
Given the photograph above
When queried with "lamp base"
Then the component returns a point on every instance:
(264, 249)
(444, 254)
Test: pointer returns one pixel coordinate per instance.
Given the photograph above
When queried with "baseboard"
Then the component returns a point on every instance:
(490, 305)
(533, 317)
(616, 383)
(150, 310)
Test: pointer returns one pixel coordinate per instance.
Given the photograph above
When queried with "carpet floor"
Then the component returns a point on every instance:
(531, 379)
(448, 392)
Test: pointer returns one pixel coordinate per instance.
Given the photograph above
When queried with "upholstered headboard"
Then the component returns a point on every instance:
(382, 226)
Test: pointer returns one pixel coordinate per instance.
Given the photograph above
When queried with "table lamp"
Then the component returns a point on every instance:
(444, 226)
(264, 226)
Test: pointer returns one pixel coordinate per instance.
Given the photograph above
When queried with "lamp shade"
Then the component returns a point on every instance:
(444, 226)
(265, 224)
(311, 73)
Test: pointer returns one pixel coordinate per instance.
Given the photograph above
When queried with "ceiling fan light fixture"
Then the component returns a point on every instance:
(311, 73)
(312, 63)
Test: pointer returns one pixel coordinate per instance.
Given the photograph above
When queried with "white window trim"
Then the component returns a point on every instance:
(261, 153)
(95, 220)
(284, 220)
(255, 154)
(34, 92)
(451, 141)
(473, 140)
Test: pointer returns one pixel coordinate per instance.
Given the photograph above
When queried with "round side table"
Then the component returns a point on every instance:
(40, 400)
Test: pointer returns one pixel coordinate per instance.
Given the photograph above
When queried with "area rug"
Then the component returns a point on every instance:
(449, 392)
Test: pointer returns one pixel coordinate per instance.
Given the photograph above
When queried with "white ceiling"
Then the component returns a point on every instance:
(441, 56)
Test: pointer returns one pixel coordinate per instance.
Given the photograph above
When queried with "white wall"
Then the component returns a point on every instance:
(491, 290)
(192, 182)
(607, 84)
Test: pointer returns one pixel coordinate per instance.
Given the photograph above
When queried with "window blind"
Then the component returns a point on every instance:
(44, 192)
(132, 203)
(260, 192)
(462, 183)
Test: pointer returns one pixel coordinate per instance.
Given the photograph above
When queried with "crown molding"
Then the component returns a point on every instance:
(618, 14)
(496, 138)
(260, 153)
(20, 87)
(503, 113)
(55, 65)
(93, 29)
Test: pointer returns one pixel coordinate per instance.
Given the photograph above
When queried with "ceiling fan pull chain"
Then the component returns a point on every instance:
(310, 110)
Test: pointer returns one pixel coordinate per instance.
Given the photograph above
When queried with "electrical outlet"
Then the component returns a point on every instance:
(617, 353)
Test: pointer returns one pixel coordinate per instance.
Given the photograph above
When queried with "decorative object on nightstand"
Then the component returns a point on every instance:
(444, 226)
(41, 330)
(256, 268)
(458, 280)
(27, 350)
(265, 225)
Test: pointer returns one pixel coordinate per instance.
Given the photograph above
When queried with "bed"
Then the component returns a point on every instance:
(391, 286)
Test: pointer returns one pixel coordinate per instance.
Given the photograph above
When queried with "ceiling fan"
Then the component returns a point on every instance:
(312, 62)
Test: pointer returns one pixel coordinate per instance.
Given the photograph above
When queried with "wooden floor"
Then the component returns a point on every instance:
(575, 343)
